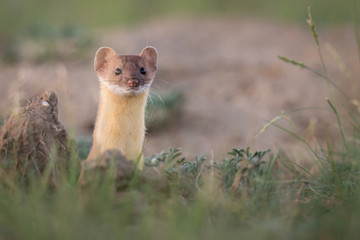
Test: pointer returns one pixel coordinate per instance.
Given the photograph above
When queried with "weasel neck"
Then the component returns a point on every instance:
(120, 124)
(128, 106)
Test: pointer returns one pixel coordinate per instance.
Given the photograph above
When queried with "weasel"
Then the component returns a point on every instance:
(125, 81)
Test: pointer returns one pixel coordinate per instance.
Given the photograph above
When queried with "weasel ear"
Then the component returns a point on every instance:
(102, 57)
(150, 55)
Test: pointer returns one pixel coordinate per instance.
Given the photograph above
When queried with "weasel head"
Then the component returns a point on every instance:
(126, 74)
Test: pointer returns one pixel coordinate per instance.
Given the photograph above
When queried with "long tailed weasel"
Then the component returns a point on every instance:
(124, 87)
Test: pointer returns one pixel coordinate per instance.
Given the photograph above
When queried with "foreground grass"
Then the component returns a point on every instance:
(238, 197)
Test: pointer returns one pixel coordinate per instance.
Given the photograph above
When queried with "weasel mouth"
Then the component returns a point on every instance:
(138, 89)
(134, 83)
(134, 88)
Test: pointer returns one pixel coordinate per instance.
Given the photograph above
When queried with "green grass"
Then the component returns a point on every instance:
(23, 14)
(43, 43)
(39, 27)
(245, 195)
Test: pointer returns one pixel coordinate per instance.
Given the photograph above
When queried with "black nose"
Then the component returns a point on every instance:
(133, 83)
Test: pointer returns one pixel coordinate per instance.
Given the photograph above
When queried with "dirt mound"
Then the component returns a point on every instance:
(33, 135)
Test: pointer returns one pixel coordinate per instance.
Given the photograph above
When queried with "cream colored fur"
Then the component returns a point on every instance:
(120, 124)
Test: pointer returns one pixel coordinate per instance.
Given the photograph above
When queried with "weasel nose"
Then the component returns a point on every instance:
(133, 83)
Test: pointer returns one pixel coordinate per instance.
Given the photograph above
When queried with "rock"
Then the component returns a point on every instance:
(113, 166)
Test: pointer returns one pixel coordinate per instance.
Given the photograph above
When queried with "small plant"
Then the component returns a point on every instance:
(240, 167)
(235, 172)
(84, 144)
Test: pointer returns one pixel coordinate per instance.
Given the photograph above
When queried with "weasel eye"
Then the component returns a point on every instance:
(142, 71)
(118, 71)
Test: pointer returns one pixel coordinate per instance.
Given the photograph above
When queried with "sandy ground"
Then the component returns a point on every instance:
(228, 69)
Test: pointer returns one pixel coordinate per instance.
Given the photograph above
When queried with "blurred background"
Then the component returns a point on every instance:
(219, 79)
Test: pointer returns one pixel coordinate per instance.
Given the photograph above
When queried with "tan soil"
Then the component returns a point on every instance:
(228, 69)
